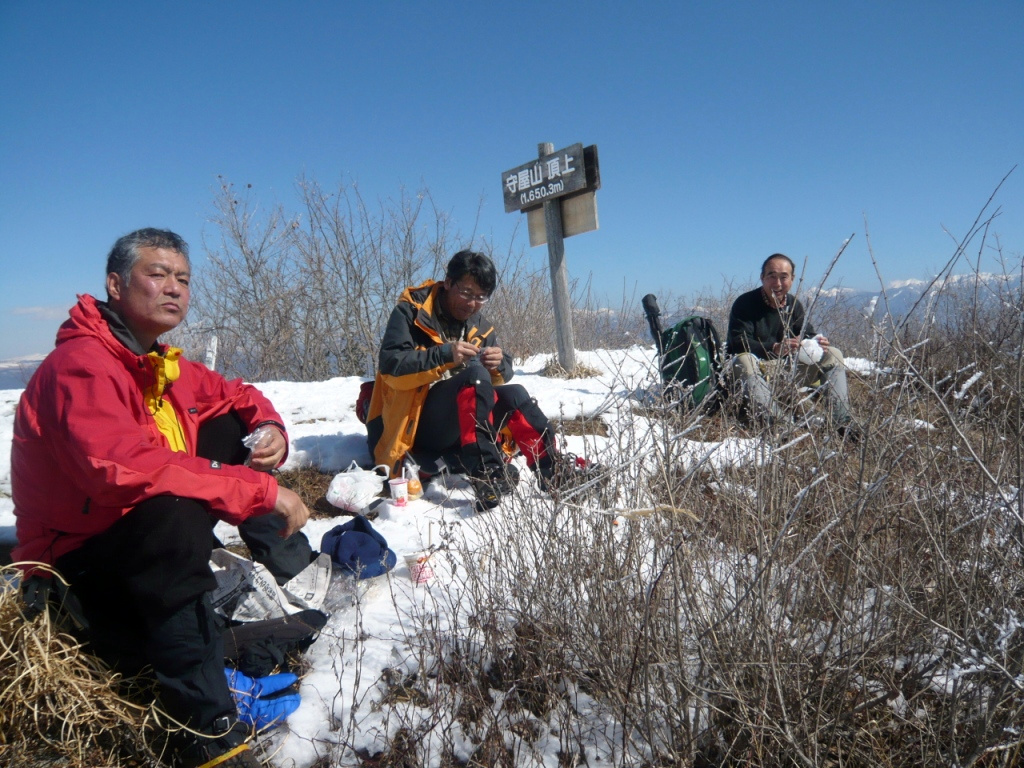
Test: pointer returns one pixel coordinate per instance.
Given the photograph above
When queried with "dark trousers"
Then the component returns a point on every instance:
(143, 587)
(221, 440)
(466, 414)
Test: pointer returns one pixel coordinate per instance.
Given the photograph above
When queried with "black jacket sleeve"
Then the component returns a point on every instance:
(749, 327)
(399, 355)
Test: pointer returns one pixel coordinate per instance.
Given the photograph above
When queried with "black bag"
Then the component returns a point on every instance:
(690, 356)
(257, 648)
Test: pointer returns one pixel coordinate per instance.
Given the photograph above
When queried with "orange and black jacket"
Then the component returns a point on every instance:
(414, 354)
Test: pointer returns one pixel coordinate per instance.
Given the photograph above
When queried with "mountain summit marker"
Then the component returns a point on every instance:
(557, 191)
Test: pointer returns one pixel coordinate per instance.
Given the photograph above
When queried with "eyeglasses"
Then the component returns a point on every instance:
(479, 298)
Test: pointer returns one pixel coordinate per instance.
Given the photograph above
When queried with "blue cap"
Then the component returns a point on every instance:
(357, 548)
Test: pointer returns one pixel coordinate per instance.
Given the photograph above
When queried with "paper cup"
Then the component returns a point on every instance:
(399, 491)
(420, 570)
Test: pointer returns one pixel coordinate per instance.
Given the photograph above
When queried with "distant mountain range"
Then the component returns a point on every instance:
(939, 297)
(900, 297)
(15, 373)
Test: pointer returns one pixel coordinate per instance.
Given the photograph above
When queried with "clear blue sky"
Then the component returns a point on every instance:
(726, 130)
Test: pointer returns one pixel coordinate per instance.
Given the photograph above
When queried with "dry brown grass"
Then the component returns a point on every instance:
(580, 425)
(59, 706)
(311, 485)
(553, 370)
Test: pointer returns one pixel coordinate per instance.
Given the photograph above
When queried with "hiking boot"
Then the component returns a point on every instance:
(510, 479)
(229, 750)
(565, 472)
(492, 484)
(850, 432)
(487, 494)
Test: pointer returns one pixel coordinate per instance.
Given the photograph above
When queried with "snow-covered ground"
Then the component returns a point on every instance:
(324, 432)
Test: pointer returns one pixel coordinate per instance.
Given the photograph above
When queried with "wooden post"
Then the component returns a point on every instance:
(559, 276)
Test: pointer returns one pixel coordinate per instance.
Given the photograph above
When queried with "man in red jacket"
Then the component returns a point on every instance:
(123, 454)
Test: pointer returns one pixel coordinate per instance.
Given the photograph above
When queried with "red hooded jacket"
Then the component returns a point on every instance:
(86, 449)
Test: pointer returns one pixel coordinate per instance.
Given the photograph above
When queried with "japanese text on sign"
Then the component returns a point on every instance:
(549, 176)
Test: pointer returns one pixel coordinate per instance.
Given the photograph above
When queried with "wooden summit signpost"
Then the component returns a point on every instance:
(557, 191)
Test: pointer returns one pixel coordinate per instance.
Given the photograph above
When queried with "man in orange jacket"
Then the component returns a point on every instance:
(442, 390)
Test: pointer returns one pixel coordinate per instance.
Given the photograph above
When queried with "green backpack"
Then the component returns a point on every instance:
(690, 355)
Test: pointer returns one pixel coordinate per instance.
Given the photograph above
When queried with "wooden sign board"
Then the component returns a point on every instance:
(579, 214)
(551, 176)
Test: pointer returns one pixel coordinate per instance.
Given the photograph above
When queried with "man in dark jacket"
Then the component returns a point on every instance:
(767, 329)
(442, 388)
(123, 454)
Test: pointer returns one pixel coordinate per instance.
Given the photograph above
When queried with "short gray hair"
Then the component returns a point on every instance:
(125, 253)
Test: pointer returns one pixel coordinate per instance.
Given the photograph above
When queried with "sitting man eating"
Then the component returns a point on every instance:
(767, 329)
(442, 390)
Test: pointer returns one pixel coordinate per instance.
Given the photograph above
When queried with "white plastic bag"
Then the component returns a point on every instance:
(356, 488)
(810, 352)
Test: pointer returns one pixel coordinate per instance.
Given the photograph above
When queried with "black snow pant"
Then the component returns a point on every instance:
(466, 415)
(143, 586)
